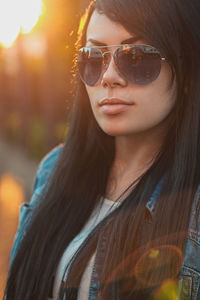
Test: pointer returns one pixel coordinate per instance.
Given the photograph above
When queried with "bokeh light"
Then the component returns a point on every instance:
(11, 194)
(18, 16)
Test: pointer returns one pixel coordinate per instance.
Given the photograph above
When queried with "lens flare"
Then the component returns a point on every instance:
(154, 253)
(18, 16)
(149, 267)
(168, 291)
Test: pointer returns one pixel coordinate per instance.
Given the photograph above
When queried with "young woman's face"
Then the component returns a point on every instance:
(148, 105)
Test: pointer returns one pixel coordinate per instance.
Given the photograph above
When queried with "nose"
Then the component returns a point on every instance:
(111, 77)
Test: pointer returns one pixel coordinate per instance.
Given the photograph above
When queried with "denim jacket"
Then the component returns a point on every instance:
(189, 278)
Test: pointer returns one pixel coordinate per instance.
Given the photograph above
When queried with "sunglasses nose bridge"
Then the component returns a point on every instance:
(107, 57)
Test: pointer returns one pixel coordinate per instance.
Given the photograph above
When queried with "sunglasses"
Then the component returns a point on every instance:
(138, 64)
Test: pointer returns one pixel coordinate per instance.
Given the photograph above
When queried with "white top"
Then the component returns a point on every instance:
(95, 218)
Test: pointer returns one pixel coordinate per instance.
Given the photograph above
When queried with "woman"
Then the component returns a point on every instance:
(118, 217)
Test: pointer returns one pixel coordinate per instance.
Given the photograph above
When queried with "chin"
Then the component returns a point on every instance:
(117, 131)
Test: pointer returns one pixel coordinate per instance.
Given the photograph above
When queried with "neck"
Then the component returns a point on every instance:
(134, 154)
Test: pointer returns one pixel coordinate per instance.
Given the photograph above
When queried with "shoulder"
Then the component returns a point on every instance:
(50, 159)
(46, 168)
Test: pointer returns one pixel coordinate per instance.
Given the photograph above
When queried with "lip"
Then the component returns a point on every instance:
(114, 106)
(112, 101)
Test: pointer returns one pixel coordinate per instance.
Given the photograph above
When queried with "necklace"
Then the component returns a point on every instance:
(126, 190)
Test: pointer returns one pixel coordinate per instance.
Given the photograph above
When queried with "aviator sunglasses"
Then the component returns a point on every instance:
(138, 64)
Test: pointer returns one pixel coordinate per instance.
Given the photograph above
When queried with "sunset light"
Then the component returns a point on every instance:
(18, 16)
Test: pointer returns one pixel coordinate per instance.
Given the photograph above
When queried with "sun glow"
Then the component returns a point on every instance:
(18, 16)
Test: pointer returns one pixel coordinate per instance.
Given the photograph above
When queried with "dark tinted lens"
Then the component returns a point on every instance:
(89, 65)
(138, 64)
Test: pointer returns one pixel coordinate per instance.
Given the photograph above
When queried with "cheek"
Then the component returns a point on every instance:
(159, 100)
(157, 106)
(156, 113)
(94, 95)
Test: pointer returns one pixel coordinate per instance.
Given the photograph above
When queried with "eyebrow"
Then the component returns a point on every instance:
(127, 41)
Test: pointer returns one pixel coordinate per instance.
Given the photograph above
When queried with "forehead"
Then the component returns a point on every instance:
(101, 28)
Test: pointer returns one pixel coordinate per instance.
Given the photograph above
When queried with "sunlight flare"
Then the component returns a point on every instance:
(18, 16)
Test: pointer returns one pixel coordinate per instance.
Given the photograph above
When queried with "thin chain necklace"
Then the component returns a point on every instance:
(131, 184)
(126, 190)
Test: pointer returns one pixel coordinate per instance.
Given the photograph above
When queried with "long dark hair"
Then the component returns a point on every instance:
(80, 178)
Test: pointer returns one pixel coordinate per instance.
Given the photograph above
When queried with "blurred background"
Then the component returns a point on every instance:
(37, 39)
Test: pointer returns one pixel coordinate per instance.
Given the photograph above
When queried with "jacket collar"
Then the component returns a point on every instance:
(150, 205)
